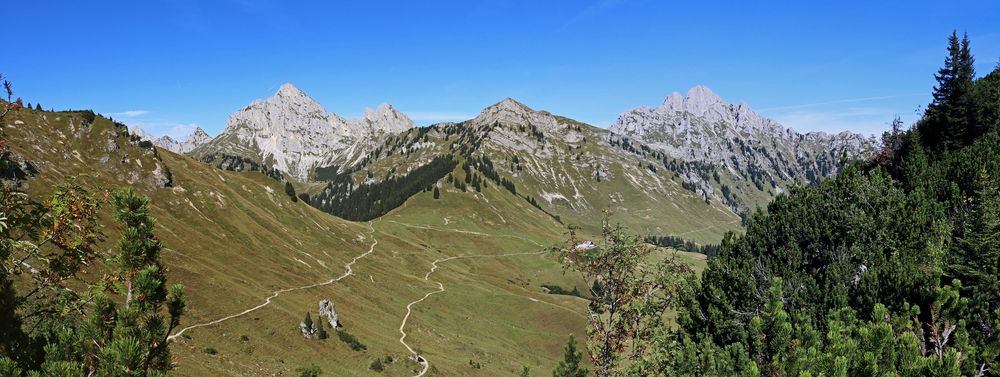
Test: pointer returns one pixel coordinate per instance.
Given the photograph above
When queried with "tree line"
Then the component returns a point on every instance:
(366, 201)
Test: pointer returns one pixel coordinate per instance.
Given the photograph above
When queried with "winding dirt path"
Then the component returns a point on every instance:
(440, 287)
(409, 307)
(348, 272)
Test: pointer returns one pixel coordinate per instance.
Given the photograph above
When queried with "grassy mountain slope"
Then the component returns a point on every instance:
(571, 170)
(234, 238)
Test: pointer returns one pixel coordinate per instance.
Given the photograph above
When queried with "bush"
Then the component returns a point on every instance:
(311, 371)
(211, 351)
(351, 341)
(377, 366)
(88, 116)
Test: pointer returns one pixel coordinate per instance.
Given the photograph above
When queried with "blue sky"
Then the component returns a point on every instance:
(172, 65)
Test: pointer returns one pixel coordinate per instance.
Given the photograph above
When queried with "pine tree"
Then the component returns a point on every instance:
(437, 193)
(570, 364)
(950, 121)
(308, 324)
(129, 338)
(290, 191)
(320, 329)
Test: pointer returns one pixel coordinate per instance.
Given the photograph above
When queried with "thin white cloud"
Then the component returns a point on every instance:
(847, 100)
(132, 113)
(865, 120)
(439, 116)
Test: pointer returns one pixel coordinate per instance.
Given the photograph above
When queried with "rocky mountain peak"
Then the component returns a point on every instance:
(295, 134)
(199, 136)
(511, 112)
(674, 102)
(701, 127)
(386, 118)
(291, 91)
(189, 143)
(701, 98)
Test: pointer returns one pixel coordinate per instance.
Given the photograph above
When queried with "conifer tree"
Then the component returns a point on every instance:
(950, 121)
(570, 364)
(290, 191)
(127, 339)
(135, 342)
(320, 330)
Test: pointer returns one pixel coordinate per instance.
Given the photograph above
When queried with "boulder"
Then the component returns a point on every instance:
(309, 331)
(328, 311)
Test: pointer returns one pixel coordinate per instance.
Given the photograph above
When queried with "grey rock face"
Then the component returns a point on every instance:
(309, 332)
(190, 142)
(701, 127)
(328, 311)
(295, 134)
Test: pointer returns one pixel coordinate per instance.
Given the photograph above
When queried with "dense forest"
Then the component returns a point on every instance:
(368, 200)
(891, 268)
(679, 243)
(237, 163)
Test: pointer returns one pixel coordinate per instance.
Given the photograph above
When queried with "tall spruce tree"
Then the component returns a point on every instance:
(950, 121)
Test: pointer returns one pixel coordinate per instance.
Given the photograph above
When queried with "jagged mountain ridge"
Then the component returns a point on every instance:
(697, 149)
(293, 133)
(570, 170)
(701, 127)
(195, 139)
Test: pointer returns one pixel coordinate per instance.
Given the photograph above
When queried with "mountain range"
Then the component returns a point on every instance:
(696, 146)
(458, 218)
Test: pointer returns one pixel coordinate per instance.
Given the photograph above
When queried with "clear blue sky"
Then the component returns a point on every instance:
(169, 65)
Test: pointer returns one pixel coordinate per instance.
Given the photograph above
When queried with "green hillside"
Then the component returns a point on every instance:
(235, 238)
(569, 171)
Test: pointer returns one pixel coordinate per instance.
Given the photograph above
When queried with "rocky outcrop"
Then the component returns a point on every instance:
(309, 330)
(328, 312)
(315, 330)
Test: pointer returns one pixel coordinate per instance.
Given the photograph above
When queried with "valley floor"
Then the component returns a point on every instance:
(462, 295)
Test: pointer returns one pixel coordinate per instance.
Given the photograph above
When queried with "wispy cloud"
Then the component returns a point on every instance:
(439, 116)
(839, 101)
(132, 113)
(591, 11)
(865, 120)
